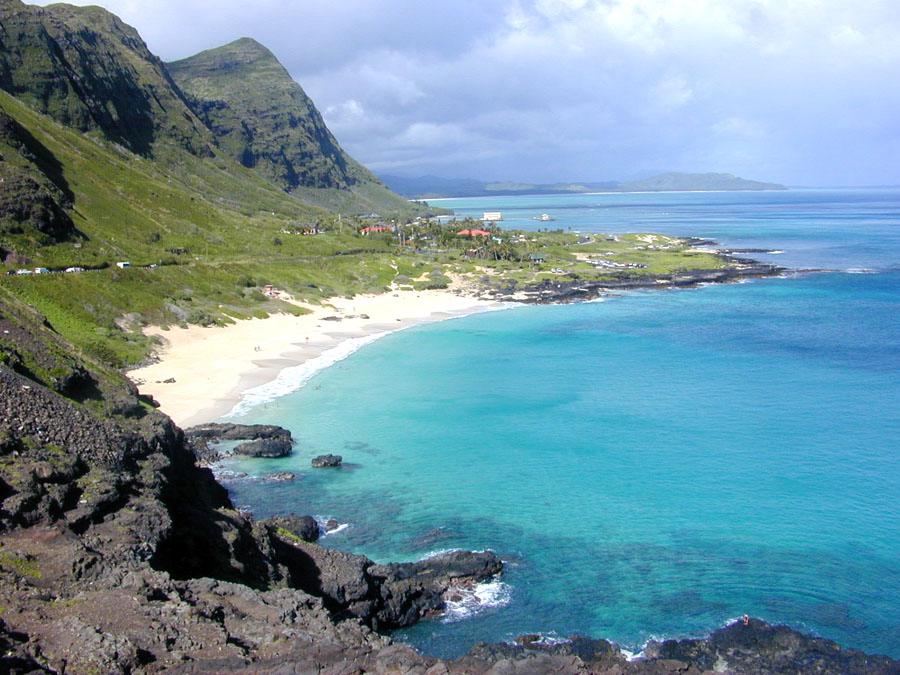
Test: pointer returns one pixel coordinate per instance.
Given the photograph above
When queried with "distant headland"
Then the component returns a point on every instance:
(436, 187)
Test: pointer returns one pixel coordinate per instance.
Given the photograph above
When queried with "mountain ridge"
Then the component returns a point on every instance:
(89, 70)
(272, 128)
(260, 126)
(93, 73)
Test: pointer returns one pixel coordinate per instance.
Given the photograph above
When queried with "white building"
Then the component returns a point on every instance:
(492, 216)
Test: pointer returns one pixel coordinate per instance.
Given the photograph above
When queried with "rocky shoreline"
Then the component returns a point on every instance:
(569, 288)
(120, 553)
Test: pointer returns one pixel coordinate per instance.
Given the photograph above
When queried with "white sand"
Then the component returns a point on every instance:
(213, 367)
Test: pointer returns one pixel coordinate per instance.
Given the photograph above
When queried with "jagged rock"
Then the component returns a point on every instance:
(327, 461)
(226, 431)
(305, 527)
(202, 435)
(265, 447)
(757, 647)
(387, 596)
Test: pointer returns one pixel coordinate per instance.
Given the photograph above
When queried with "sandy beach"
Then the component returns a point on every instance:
(202, 373)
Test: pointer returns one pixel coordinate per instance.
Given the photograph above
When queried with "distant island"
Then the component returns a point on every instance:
(424, 187)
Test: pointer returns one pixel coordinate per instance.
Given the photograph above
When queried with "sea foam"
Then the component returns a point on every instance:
(471, 601)
(293, 378)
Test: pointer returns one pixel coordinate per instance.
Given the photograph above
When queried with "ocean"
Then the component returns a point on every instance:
(651, 465)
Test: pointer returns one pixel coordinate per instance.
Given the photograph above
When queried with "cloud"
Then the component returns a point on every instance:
(798, 91)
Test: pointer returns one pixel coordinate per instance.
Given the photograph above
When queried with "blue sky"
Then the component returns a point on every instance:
(805, 92)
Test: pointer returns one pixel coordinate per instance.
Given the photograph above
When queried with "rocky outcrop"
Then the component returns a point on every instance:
(265, 447)
(304, 527)
(383, 596)
(225, 431)
(578, 290)
(326, 461)
(274, 441)
(754, 647)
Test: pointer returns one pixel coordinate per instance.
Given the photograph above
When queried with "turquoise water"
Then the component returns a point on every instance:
(650, 465)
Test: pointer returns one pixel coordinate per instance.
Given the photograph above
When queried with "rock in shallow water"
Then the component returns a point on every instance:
(265, 447)
(304, 527)
(327, 461)
(202, 435)
(281, 477)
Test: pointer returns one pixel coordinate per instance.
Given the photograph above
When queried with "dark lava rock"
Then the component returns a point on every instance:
(331, 525)
(326, 461)
(757, 647)
(202, 435)
(304, 527)
(265, 447)
(219, 431)
(385, 596)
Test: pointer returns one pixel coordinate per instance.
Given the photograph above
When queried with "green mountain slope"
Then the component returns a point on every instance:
(214, 229)
(89, 70)
(272, 126)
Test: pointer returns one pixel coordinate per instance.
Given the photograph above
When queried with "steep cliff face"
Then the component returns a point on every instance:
(89, 70)
(34, 195)
(263, 119)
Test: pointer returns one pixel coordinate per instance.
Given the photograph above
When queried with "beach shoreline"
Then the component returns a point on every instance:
(201, 374)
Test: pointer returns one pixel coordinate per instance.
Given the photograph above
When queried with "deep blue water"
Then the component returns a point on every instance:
(651, 465)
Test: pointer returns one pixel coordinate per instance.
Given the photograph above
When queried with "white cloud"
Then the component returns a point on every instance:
(673, 92)
(793, 90)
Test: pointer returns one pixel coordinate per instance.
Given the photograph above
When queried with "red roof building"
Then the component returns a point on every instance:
(473, 233)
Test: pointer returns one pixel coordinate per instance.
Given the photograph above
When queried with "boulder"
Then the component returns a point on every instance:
(265, 447)
(304, 527)
(226, 431)
(387, 596)
(327, 461)
(202, 435)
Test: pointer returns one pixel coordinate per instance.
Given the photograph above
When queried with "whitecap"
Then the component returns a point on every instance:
(323, 529)
(340, 528)
(467, 602)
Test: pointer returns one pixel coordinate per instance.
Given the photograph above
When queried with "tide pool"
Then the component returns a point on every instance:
(650, 465)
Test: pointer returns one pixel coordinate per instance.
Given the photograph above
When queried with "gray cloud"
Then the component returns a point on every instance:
(800, 91)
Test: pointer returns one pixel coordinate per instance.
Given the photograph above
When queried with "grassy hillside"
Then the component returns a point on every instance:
(215, 232)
